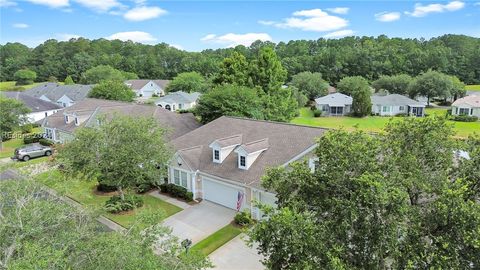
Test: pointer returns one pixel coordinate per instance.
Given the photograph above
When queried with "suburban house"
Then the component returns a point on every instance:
(469, 105)
(178, 101)
(148, 88)
(224, 160)
(63, 95)
(60, 127)
(336, 104)
(39, 108)
(394, 104)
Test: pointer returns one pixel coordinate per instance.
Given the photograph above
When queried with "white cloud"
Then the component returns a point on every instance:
(135, 36)
(176, 46)
(232, 40)
(66, 37)
(266, 22)
(339, 34)
(477, 4)
(421, 10)
(339, 10)
(51, 3)
(144, 13)
(20, 25)
(311, 20)
(7, 3)
(100, 5)
(387, 16)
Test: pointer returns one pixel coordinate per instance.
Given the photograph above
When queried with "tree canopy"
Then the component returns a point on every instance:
(358, 88)
(112, 90)
(432, 84)
(25, 76)
(105, 73)
(310, 84)
(396, 200)
(68, 80)
(188, 82)
(13, 114)
(396, 84)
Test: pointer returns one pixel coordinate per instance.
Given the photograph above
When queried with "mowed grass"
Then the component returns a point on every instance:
(473, 87)
(376, 123)
(9, 146)
(10, 86)
(217, 239)
(82, 191)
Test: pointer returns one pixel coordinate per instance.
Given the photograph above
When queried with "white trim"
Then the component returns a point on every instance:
(299, 156)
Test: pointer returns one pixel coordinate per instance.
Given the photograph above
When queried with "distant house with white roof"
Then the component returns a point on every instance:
(395, 104)
(469, 105)
(178, 101)
(148, 88)
(336, 104)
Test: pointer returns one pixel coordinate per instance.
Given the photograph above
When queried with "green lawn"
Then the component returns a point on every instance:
(374, 123)
(10, 85)
(217, 239)
(82, 192)
(473, 87)
(9, 146)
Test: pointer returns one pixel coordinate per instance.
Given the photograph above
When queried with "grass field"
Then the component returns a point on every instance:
(9, 146)
(217, 239)
(83, 192)
(375, 123)
(473, 87)
(10, 86)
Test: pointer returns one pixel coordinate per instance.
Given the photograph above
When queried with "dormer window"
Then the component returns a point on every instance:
(252, 151)
(221, 148)
(66, 119)
(216, 155)
(243, 162)
(76, 121)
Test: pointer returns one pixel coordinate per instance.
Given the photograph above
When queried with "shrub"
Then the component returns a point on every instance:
(188, 196)
(164, 188)
(27, 128)
(401, 115)
(317, 113)
(185, 111)
(144, 187)
(46, 142)
(106, 188)
(465, 118)
(115, 204)
(32, 138)
(243, 218)
(177, 191)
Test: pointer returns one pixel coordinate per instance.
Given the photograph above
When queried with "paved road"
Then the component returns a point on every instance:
(236, 255)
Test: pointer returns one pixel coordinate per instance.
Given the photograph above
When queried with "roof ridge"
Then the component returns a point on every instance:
(229, 137)
(273, 122)
(191, 148)
(256, 141)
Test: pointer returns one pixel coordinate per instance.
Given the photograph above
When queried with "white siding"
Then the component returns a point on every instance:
(37, 116)
(149, 89)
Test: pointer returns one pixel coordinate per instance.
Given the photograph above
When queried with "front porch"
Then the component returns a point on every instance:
(416, 111)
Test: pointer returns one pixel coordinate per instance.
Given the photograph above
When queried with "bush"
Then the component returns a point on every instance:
(144, 187)
(106, 188)
(46, 142)
(32, 138)
(27, 128)
(317, 113)
(243, 218)
(465, 118)
(116, 205)
(401, 115)
(177, 191)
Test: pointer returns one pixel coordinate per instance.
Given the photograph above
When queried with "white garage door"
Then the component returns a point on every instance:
(225, 195)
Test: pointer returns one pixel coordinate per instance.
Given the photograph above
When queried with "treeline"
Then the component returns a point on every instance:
(335, 59)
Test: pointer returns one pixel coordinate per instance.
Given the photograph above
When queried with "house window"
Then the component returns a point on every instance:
(386, 109)
(76, 121)
(402, 108)
(46, 114)
(64, 104)
(151, 84)
(464, 111)
(66, 118)
(176, 177)
(216, 154)
(243, 162)
(180, 106)
(325, 108)
(48, 133)
(183, 178)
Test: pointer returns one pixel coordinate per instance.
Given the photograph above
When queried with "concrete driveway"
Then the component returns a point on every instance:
(199, 221)
(236, 255)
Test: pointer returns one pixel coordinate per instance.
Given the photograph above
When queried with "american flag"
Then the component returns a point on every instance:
(239, 200)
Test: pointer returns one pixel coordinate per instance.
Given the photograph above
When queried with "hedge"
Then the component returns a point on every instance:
(465, 118)
(177, 191)
(32, 138)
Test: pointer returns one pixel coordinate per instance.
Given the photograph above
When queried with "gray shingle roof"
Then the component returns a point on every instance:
(394, 100)
(54, 91)
(285, 142)
(35, 104)
(335, 99)
(179, 97)
(139, 84)
(177, 124)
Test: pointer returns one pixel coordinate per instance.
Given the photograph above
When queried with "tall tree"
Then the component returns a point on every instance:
(432, 84)
(310, 84)
(396, 84)
(266, 71)
(233, 70)
(188, 82)
(25, 76)
(68, 80)
(115, 151)
(13, 114)
(102, 73)
(112, 90)
(358, 88)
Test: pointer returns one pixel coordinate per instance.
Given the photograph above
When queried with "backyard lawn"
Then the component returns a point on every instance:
(10, 86)
(473, 87)
(83, 192)
(217, 239)
(374, 123)
(9, 146)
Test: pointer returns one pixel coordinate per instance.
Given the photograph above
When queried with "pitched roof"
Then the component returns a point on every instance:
(230, 140)
(255, 146)
(179, 97)
(335, 99)
(285, 142)
(139, 84)
(177, 124)
(472, 101)
(54, 91)
(395, 100)
(35, 104)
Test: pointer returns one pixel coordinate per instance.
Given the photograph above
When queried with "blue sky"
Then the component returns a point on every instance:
(195, 25)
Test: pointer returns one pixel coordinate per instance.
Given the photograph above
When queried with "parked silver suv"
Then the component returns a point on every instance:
(29, 151)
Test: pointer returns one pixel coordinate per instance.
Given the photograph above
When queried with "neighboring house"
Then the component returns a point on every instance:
(63, 95)
(148, 88)
(178, 101)
(39, 108)
(336, 104)
(395, 104)
(60, 127)
(469, 105)
(224, 160)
